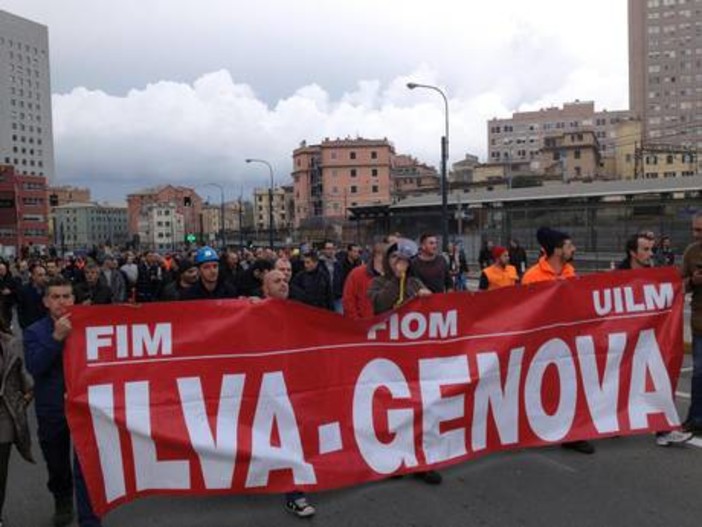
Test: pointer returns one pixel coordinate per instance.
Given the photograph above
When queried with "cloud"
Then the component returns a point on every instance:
(191, 134)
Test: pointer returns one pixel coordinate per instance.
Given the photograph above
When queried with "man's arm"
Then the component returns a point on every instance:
(40, 351)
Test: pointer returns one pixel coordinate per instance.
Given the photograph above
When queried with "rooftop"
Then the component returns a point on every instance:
(561, 191)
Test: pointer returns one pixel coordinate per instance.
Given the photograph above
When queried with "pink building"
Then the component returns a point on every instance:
(338, 174)
(185, 200)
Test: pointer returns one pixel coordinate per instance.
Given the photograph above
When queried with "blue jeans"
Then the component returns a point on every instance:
(695, 415)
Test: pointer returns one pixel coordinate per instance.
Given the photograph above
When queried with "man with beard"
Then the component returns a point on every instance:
(500, 274)
(555, 264)
(639, 255)
(188, 275)
(208, 287)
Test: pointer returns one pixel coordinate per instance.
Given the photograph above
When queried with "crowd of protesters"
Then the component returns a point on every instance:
(355, 282)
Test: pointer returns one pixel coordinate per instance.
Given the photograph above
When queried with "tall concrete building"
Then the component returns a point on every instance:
(665, 70)
(26, 137)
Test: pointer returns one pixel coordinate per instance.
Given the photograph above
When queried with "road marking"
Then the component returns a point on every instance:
(695, 441)
(683, 395)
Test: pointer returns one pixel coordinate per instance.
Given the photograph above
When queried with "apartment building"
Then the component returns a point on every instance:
(186, 201)
(336, 174)
(26, 136)
(520, 138)
(23, 212)
(665, 70)
(84, 225)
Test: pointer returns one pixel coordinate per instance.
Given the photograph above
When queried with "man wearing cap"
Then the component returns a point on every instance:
(555, 264)
(187, 277)
(208, 286)
(500, 274)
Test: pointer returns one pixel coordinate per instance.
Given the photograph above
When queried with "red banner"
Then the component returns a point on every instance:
(233, 397)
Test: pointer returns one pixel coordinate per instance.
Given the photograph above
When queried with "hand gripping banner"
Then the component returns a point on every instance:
(233, 397)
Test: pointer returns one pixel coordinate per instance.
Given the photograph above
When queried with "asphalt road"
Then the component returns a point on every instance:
(628, 482)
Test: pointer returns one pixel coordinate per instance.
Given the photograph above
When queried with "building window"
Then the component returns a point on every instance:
(374, 172)
(374, 189)
(374, 155)
(353, 172)
(352, 155)
(576, 154)
(353, 189)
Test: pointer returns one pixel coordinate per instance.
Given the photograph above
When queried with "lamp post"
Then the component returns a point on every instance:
(270, 198)
(221, 211)
(444, 161)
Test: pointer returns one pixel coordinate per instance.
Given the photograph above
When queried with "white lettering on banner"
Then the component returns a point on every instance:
(158, 342)
(149, 471)
(653, 297)
(489, 394)
(384, 458)
(415, 325)
(102, 414)
(556, 426)
(217, 456)
(648, 363)
(433, 375)
(275, 409)
(602, 397)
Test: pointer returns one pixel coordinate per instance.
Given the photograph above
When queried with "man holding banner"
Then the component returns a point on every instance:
(43, 348)
(556, 264)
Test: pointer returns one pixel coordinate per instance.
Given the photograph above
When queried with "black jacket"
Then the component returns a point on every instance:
(30, 305)
(98, 294)
(198, 292)
(312, 288)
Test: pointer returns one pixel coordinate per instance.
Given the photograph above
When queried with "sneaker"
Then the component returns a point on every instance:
(431, 477)
(584, 447)
(63, 513)
(300, 508)
(673, 438)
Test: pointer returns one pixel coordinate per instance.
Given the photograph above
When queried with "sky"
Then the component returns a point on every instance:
(147, 92)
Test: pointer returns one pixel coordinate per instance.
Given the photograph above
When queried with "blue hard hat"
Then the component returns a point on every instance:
(206, 254)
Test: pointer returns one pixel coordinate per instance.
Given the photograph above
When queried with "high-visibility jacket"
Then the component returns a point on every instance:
(543, 272)
(498, 276)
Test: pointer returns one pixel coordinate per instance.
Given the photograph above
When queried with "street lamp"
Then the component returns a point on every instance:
(270, 199)
(444, 162)
(221, 211)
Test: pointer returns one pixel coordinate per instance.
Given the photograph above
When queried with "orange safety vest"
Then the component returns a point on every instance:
(498, 277)
(543, 272)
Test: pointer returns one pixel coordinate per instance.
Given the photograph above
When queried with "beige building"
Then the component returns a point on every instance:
(340, 173)
(520, 138)
(665, 70)
(211, 219)
(283, 208)
(462, 171)
(412, 178)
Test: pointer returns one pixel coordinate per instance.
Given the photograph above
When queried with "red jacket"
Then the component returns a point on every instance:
(355, 298)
